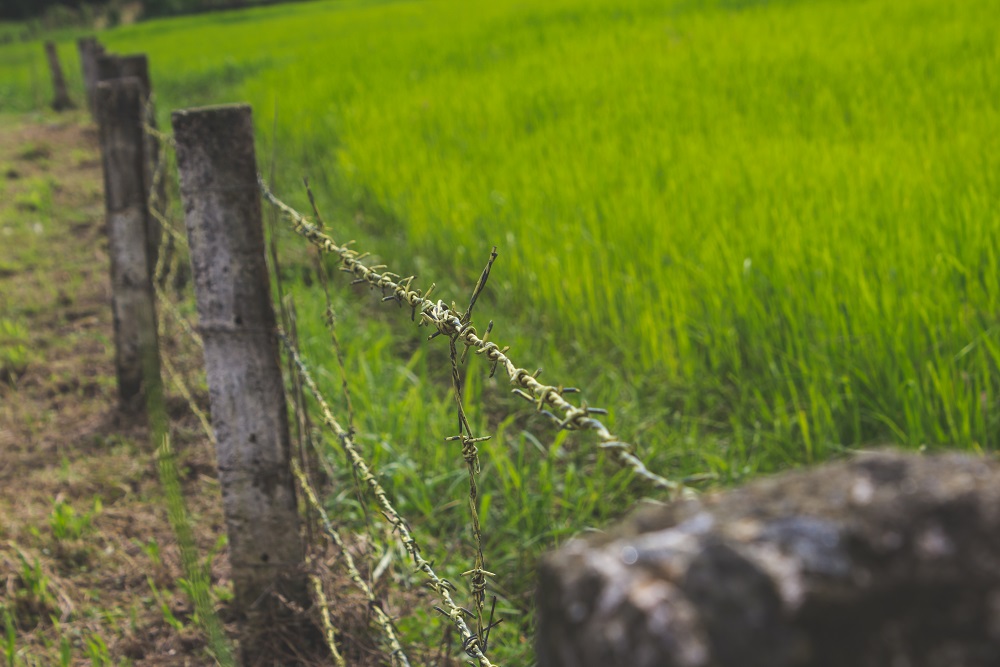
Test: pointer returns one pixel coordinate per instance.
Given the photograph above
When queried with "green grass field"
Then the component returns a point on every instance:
(758, 232)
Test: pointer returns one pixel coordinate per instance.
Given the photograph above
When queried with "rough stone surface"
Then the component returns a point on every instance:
(884, 560)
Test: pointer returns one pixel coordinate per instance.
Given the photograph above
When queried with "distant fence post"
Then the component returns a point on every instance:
(137, 65)
(218, 175)
(89, 49)
(112, 66)
(108, 66)
(61, 101)
(119, 114)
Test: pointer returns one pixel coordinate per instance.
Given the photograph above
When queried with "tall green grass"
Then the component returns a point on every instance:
(777, 219)
(760, 232)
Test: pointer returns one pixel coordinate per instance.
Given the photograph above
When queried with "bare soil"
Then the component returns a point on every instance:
(90, 572)
(88, 562)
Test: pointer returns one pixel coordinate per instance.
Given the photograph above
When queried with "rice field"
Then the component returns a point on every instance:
(761, 233)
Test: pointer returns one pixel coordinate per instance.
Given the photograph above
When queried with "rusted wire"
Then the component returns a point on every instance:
(182, 387)
(155, 199)
(548, 399)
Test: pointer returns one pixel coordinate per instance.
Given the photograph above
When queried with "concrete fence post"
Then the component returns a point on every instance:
(110, 67)
(218, 178)
(886, 558)
(119, 114)
(137, 65)
(61, 101)
(89, 49)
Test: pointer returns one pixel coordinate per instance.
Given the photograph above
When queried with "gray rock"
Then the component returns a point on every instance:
(884, 560)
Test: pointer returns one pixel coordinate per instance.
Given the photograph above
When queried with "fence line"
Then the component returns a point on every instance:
(312, 496)
(547, 399)
(191, 331)
(457, 326)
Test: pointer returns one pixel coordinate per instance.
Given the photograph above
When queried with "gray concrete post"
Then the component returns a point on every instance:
(61, 101)
(109, 67)
(119, 112)
(89, 49)
(218, 177)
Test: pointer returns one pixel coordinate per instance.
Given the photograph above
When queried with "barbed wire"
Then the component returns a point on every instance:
(448, 321)
(329, 631)
(382, 618)
(189, 328)
(547, 399)
(161, 273)
(470, 453)
(441, 586)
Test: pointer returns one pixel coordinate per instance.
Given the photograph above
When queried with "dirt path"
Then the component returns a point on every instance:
(88, 566)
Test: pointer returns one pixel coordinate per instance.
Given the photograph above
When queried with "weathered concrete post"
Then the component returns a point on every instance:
(218, 177)
(89, 49)
(119, 113)
(109, 67)
(137, 65)
(61, 101)
(884, 559)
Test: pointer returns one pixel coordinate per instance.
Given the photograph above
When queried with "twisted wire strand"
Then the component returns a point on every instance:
(185, 392)
(158, 134)
(329, 631)
(548, 399)
(331, 316)
(470, 453)
(162, 273)
(382, 618)
(175, 376)
(155, 199)
(441, 586)
(185, 325)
